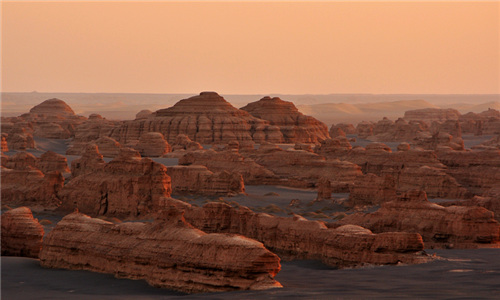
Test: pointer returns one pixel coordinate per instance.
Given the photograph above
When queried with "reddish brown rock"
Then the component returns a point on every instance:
(20, 137)
(295, 126)
(197, 179)
(304, 147)
(333, 147)
(232, 161)
(89, 131)
(152, 144)
(53, 119)
(144, 114)
(484, 123)
(168, 253)
(371, 189)
(30, 187)
(128, 186)
(324, 190)
(4, 145)
(364, 129)
(183, 142)
(51, 161)
(462, 227)
(91, 161)
(108, 147)
(430, 115)
(491, 144)
(296, 237)
(345, 127)
(207, 118)
(399, 131)
(335, 132)
(20, 161)
(21, 234)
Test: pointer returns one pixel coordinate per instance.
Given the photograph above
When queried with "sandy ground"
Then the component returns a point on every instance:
(461, 274)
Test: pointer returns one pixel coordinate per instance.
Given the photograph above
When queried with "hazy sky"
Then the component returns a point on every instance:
(245, 47)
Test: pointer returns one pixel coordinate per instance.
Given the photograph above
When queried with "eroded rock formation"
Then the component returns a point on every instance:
(454, 226)
(21, 234)
(295, 126)
(168, 253)
(128, 186)
(152, 144)
(207, 118)
(371, 189)
(197, 179)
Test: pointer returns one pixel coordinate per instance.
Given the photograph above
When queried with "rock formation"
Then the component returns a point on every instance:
(324, 190)
(491, 144)
(91, 161)
(152, 144)
(51, 161)
(364, 129)
(4, 145)
(30, 187)
(430, 115)
(19, 136)
(371, 189)
(333, 147)
(455, 226)
(232, 161)
(345, 127)
(168, 253)
(183, 142)
(197, 179)
(127, 186)
(298, 238)
(207, 118)
(89, 131)
(295, 126)
(21, 234)
(108, 147)
(20, 161)
(484, 123)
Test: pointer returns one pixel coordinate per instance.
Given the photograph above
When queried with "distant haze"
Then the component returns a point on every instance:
(251, 47)
(330, 109)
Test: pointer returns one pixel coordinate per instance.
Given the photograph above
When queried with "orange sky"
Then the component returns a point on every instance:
(245, 47)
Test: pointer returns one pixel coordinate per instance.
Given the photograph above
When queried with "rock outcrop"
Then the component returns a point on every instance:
(152, 144)
(89, 131)
(51, 161)
(108, 147)
(91, 161)
(455, 226)
(295, 126)
(21, 234)
(430, 115)
(484, 123)
(19, 136)
(371, 189)
(232, 161)
(4, 144)
(127, 186)
(183, 142)
(207, 118)
(298, 238)
(197, 179)
(491, 144)
(345, 127)
(168, 253)
(30, 187)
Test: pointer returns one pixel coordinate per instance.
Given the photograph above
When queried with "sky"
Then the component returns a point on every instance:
(251, 47)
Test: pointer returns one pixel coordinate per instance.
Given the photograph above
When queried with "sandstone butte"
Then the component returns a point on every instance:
(152, 144)
(168, 253)
(430, 115)
(484, 123)
(298, 238)
(90, 131)
(18, 134)
(197, 179)
(21, 234)
(127, 186)
(371, 189)
(440, 227)
(346, 128)
(53, 119)
(48, 162)
(295, 126)
(207, 118)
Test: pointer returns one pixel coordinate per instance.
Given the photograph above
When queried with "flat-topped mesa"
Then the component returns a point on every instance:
(430, 115)
(168, 253)
(298, 238)
(21, 234)
(295, 126)
(455, 226)
(197, 179)
(127, 186)
(207, 118)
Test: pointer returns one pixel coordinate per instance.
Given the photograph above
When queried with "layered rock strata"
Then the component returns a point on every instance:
(454, 226)
(168, 253)
(152, 144)
(207, 118)
(296, 237)
(21, 234)
(127, 186)
(197, 179)
(295, 126)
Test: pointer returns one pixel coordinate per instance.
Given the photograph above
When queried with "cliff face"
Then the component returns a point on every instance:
(295, 126)
(207, 118)
(196, 179)
(127, 186)
(464, 227)
(298, 238)
(21, 234)
(168, 253)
